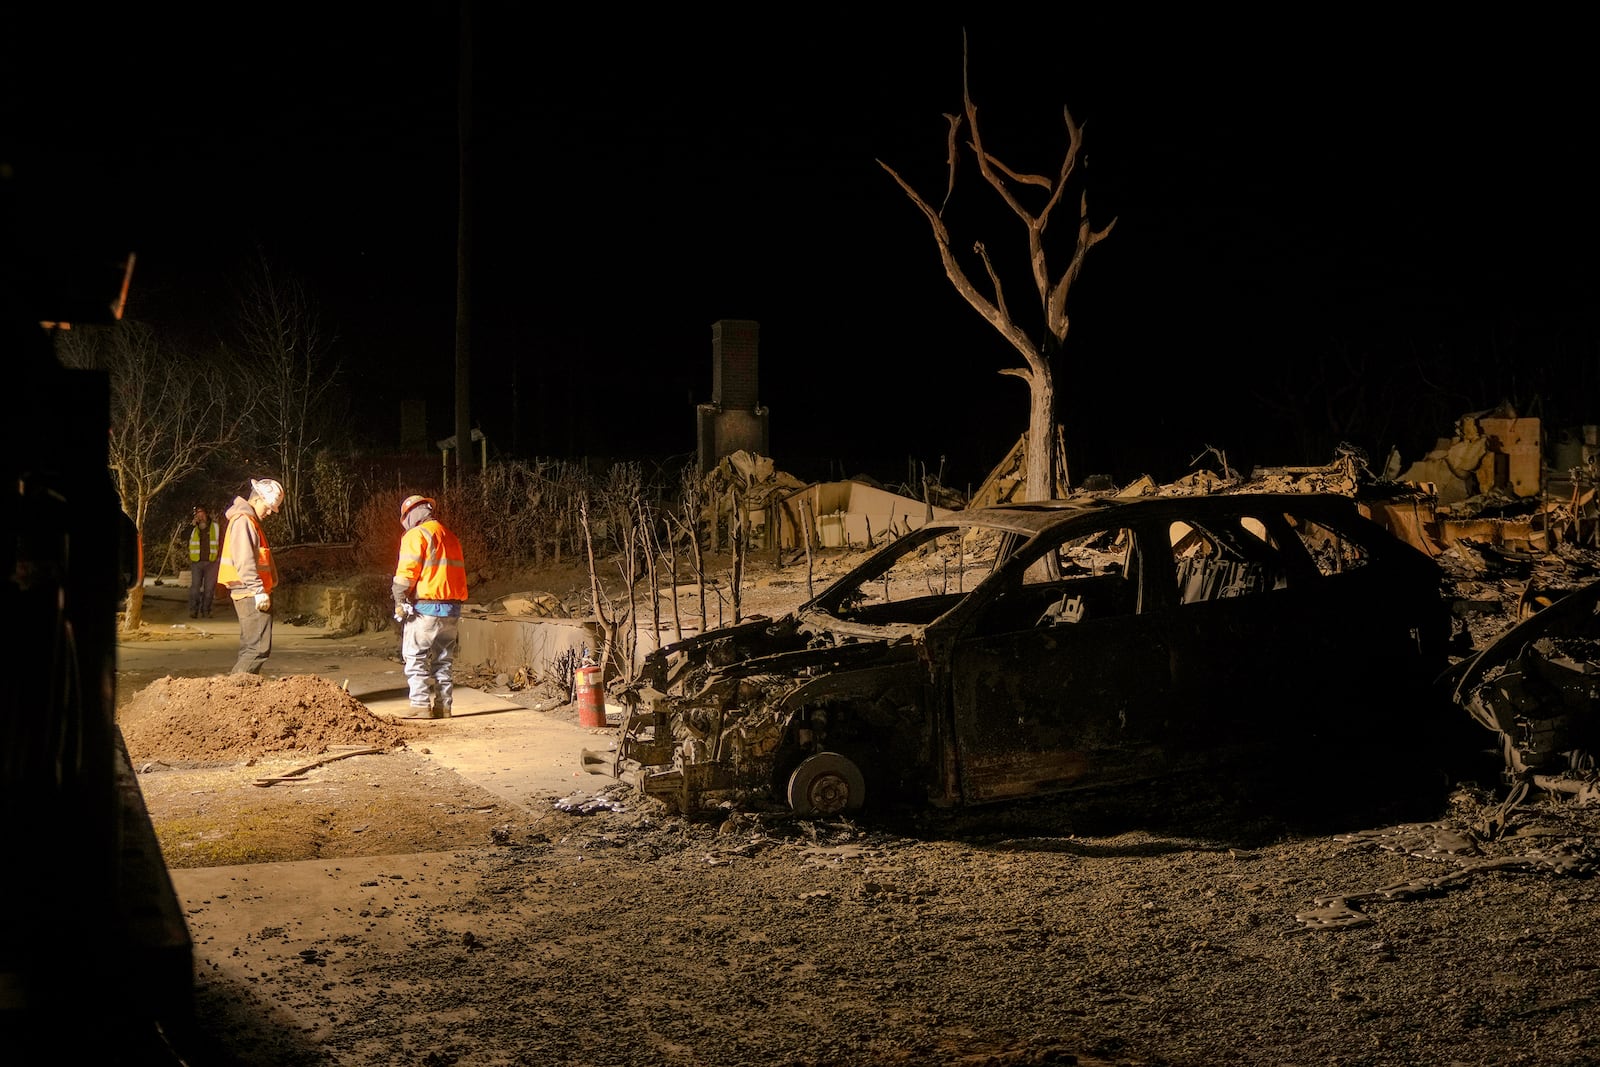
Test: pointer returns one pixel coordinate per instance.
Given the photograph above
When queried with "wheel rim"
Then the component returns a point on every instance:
(826, 784)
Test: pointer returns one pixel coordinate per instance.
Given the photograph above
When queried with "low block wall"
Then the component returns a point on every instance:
(335, 603)
(505, 643)
(499, 642)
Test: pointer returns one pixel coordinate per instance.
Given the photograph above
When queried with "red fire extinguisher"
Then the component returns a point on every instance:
(591, 694)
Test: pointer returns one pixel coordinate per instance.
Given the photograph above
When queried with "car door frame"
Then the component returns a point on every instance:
(1011, 727)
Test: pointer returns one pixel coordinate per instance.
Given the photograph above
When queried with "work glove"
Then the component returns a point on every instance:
(403, 611)
(263, 601)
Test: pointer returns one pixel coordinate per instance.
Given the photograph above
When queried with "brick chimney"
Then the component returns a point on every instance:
(735, 352)
(734, 419)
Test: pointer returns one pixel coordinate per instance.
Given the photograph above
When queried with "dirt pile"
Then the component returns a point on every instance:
(238, 717)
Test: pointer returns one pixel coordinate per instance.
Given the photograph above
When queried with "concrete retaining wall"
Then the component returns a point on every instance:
(508, 642)
(335, 603)
(504, 643)
(500, 642)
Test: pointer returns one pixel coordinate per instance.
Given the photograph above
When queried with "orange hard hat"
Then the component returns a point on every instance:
(412, 501)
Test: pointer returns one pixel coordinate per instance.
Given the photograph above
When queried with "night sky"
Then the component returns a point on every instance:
(1326, 233)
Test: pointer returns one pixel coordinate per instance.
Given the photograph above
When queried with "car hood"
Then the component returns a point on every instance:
(795, 644)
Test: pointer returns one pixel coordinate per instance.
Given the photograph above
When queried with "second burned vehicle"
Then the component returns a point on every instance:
(1534, 687)
(1006, 652)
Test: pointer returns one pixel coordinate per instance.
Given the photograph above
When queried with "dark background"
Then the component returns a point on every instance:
(1331, 232)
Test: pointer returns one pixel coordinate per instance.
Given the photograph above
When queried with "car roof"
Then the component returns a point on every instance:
(1032, 518)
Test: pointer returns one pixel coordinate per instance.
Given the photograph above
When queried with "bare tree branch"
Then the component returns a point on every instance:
(1026, 179)
(982, 155)
(1088, 237)
(958, 277)
(994, 280)
(953, 157)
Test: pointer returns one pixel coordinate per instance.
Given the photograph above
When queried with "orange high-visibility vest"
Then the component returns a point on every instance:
(430, 557)
(228, 574)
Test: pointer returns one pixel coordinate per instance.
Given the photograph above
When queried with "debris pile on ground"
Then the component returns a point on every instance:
(234, 717)
(529, 605)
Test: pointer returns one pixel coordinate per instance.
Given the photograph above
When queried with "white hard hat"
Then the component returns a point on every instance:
(270, 492)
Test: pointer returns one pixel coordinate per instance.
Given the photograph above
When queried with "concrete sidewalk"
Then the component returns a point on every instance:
(522, 755)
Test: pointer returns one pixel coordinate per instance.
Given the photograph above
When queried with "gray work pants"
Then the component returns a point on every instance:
(255, 636)
(428, 644)
(202, 588)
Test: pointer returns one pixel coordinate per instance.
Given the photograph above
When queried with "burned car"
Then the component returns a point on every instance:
(1012, 651)
(1536, 688)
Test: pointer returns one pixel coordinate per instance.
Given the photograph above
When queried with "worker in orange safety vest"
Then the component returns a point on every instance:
(430, 587)
(247, 570)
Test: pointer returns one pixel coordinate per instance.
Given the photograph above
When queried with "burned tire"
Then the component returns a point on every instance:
(826, 784)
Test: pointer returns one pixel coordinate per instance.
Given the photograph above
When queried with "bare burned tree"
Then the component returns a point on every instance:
(738, 535)
(650, 551)
(685, 526)
(807, 525)
(171, 411)
(1044, 475)
(670, 521)
(617, 499)
(292, 371)
(627, 628)
(604, 613)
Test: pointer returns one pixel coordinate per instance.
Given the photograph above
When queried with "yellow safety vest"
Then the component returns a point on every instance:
(214, 537)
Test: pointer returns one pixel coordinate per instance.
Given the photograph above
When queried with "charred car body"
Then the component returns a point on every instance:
(1535, 688)
(1029, 649)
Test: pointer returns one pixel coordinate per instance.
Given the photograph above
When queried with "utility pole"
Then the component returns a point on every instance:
(464, 247)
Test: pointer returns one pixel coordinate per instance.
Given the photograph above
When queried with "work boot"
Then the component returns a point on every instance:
(437, 708)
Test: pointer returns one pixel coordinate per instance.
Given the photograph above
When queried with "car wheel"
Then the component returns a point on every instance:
(826, 784)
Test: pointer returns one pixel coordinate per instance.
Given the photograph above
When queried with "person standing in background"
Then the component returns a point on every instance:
(205, 538)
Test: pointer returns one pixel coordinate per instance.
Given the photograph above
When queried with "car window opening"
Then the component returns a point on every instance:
(1332, 552)
(1080, 579)
(927, 579)
(1216, 563)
